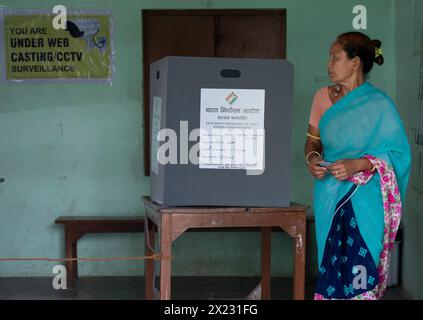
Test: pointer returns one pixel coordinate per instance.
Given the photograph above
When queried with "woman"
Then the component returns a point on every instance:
(358, 152)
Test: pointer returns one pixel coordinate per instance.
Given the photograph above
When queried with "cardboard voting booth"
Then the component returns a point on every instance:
(221, 131)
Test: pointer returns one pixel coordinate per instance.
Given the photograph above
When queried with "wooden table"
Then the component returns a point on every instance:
(173, 221)
(77, 226)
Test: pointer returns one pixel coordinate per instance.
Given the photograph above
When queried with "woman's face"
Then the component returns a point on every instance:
(340, 67)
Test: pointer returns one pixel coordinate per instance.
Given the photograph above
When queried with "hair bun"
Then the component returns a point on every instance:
(376, 44)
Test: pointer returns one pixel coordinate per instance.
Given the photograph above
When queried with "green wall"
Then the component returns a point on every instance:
(409, 26)
(77, 148)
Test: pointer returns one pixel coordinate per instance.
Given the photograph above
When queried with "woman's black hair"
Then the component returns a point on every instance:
(357, 44)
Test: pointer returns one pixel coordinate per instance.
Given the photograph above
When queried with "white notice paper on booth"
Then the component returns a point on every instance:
(155, 128)
(232, 129)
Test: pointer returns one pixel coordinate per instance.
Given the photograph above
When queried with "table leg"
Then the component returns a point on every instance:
(299, 261)
(149, 237)
(69, 255)
(166, 251)
(266, 234)
(75, 255)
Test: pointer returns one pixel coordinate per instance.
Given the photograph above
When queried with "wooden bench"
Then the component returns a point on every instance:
(77, 226)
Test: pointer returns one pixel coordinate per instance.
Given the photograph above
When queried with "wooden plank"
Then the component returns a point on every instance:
(97, 219)
(166, 262)
(213, 12)
(299, 260)
(229, 220)
(294, 207)
(69, 254)
(115, 228)
(149, 239)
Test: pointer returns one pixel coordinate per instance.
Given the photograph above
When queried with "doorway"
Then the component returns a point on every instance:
(208, 33)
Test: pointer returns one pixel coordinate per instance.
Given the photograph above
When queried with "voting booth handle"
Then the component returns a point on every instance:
(230, 73)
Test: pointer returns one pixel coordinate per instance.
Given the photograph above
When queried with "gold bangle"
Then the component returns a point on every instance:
(313, 137)
(372, 167)
(308, 162)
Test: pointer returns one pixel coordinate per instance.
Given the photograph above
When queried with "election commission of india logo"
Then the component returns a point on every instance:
(231, 98)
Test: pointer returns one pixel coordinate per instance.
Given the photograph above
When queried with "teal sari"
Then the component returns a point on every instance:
(364, 123)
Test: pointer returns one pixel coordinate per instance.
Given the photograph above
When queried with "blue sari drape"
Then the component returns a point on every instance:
(364, 122)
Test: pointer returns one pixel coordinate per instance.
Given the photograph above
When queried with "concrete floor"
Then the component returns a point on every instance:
(132, 288)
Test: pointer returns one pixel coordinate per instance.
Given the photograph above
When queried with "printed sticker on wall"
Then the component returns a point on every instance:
(33, 49)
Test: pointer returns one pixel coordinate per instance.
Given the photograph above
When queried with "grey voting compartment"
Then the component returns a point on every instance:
(249, 98)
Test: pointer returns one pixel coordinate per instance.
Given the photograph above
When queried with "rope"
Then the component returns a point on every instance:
(156, 256)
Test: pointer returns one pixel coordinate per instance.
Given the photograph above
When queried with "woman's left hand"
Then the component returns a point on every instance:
(343, 169)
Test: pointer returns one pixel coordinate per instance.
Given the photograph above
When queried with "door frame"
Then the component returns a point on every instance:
(189, 12)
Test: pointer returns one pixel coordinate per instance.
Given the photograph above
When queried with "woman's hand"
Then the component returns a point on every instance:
(317, 171)
(343, 169)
